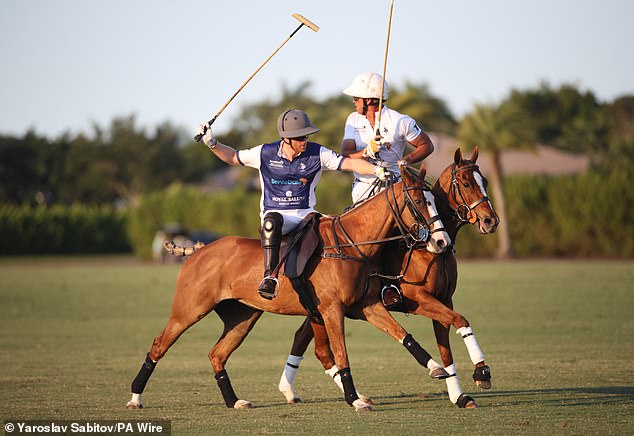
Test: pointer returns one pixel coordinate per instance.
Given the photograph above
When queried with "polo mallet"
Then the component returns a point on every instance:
(304, 22)
(387, 45)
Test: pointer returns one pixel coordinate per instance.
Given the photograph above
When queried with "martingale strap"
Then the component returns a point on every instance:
(339, 254)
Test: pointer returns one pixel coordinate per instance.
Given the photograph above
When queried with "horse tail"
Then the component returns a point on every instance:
(177, 250)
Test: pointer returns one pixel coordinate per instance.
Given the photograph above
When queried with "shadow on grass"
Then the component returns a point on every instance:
(550, 397)
(563, 396)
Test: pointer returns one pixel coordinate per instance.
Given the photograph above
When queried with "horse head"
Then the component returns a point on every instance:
(421, 204)
(465, 189)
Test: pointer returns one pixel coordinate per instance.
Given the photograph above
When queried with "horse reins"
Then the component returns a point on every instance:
(412, 236)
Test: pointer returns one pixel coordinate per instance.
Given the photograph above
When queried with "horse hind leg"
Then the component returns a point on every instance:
(172, 331)
(238, 321)
(303, 337)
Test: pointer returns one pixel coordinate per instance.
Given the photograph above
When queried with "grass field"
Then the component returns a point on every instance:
(558, 335)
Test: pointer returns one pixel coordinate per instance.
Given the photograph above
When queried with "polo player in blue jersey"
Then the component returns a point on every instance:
(289, 172)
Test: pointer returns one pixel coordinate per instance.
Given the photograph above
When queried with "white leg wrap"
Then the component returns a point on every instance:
(332, 372)
(470, 341)
(432, 364)
(453, 385)
(135, 402)
(288, 376)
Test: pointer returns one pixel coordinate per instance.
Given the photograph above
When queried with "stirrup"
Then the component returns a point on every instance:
(265, 290)
(391, 296)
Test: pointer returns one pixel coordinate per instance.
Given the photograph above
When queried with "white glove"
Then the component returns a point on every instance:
(204, 132)
(381, 173)
(374, 146)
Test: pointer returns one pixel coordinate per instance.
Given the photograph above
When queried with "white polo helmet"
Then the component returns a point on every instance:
(367, 85)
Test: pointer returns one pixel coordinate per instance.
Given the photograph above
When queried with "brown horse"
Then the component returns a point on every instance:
(427, 280)
(223, 277)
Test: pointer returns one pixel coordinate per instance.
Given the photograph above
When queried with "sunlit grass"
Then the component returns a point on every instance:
(559, 337)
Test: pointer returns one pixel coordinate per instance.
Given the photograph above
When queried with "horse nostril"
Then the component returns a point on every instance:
(441, 243)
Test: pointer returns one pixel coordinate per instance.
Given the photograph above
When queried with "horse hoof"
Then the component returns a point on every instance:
(366, 400)
(361, 406)
(483, 384)
(294, 400)
(482, 377)
(243, 404)
(438, 373)
(133, 406)
(466, 402)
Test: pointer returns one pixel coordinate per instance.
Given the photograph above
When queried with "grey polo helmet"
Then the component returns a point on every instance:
(294, 123)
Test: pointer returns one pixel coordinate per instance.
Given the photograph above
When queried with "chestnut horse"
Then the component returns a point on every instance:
(223, 277)
(427, 281)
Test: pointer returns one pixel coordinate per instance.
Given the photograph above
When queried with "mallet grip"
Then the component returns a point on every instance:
(197, 138)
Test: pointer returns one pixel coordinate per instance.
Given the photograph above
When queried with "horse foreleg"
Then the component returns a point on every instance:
(327, 360)
(454, 389)
(430, 307)
(481, 373)
(238, 321)
(303, 337)
(333, 317)
(378, 316)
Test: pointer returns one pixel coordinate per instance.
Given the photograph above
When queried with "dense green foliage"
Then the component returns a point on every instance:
(585, 215)
(574, 215)
(152, 176)
(76, 331)
(59, 229)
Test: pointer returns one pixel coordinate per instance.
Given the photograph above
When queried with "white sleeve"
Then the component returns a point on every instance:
(348, 131)
(410, 129)
(330, 159)
(250, 157)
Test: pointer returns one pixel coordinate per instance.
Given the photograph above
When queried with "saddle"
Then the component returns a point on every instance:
(296, 251)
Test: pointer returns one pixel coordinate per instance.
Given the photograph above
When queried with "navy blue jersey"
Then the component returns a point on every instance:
(289, 185)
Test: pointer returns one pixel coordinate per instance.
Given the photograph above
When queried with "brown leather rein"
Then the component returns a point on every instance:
(419, 232)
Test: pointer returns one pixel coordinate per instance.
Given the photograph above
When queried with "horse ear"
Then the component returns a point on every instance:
(474, 155)
(457, 157)
(422, 173)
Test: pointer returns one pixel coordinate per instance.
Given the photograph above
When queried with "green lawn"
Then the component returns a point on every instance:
(558, 335)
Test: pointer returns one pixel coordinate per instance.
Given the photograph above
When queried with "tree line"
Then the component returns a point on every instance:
(119, 164)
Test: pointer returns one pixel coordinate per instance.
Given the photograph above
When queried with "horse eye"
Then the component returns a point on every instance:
(466, 184)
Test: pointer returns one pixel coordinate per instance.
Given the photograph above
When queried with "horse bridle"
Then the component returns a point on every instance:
(464, 211)
(419, 232)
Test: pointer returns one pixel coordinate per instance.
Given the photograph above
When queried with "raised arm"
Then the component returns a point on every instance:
(224, 152)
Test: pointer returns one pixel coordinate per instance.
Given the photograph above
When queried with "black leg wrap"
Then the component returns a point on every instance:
(463, 400)
(139, 382)
(348, 386)
(225, 388)
(416, 350)
(482, 373)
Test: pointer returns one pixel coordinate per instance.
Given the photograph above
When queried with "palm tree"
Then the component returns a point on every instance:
(494, 129)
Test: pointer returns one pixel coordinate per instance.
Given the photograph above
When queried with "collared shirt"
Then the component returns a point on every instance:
(396, 128)
(289, 185)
